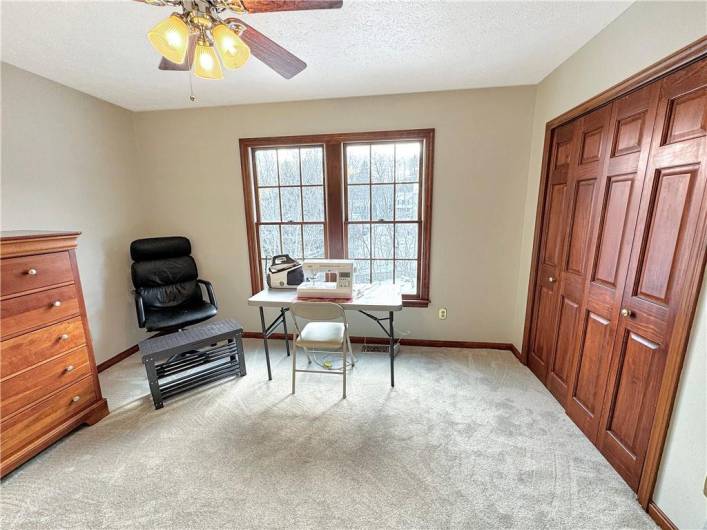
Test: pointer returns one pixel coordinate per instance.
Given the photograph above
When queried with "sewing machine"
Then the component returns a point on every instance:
(341, 287)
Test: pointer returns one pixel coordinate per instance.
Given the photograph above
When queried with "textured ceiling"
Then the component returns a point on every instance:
(367, 47)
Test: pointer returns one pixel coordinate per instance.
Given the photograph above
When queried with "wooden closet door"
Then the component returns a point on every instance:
(620, 186)
(586, 167)
(551, 251)
(672, 213)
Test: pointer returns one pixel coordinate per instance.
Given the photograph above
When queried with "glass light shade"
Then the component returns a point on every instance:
(234, 52)
(206, 63)
(170, 38)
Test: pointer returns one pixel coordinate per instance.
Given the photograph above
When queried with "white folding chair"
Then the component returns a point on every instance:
(321, 326)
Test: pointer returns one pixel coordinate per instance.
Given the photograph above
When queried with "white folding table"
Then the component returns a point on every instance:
(366, 298)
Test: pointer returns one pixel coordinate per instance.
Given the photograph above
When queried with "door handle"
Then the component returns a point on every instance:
(626, 312)
(552, 279)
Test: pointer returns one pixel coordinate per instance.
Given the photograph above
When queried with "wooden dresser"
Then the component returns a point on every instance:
(48, 378)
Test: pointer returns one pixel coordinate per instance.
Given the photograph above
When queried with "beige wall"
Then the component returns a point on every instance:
(190, 162)
(645, 33)
(68, 163)
(684, 467)
(642, 35)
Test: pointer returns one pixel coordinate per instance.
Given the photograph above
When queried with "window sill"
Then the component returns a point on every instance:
(416, 303)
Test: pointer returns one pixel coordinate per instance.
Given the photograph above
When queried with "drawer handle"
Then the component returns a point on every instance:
(70, 368)
(56, 303)
(75, 398)
(32, 272)
(64, 337)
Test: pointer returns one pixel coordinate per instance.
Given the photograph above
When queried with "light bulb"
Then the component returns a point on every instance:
(170, 38)
(234, 52)
(206, 63)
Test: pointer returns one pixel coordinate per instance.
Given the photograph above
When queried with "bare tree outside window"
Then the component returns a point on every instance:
(362, 196)
(290, 192)
(382, 222)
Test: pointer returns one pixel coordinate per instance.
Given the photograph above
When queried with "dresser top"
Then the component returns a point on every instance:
(11, 235)
(28, 242)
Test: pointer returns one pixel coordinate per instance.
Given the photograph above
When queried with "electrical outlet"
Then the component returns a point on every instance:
(442, 313)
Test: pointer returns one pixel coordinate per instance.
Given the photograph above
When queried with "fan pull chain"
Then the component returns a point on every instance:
(192, 96)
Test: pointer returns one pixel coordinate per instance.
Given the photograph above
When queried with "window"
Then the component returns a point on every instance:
(289, 202)
(361, 196)
(382, 207)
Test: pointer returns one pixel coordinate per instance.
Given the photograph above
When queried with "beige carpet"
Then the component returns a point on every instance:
(467, 439)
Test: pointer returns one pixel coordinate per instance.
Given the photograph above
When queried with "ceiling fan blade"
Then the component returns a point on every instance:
(166, 64)
(158, 3)
(266, 6)
(272, 54)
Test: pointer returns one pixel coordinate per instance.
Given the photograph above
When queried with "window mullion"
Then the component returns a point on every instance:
(395, 191)
(334, 208)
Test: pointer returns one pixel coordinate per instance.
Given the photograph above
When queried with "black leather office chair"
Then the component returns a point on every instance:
(167, 287)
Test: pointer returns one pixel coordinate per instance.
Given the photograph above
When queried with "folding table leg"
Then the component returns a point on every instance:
(294, 367)
(391, 333)
(284, 326)
(265, 342)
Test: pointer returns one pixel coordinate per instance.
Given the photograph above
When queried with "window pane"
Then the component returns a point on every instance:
(269, 241)
(406, 199)
(359, 236)
(357, 163)
(313, 241)
(269, 204)
(266, 167)
(383, 241)
(313, 200)
(382, 202)
(406, 276)
(312, 165)
(288, 160)
(292, 240)
(359, 203)
(291, 204)
(406, 241)
(407, 161)
(362, 271)
(382, 271)
(382, 163)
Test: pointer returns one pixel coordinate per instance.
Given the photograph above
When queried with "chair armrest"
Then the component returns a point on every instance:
(210, 292)
(140, 309)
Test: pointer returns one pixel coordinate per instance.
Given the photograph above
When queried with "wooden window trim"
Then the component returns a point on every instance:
(335, 195)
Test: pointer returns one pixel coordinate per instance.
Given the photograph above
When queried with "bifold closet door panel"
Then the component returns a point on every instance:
(672, 213)
(551, 251)
(619, 189)
(591, 146)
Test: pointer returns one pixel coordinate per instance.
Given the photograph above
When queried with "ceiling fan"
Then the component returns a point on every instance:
(192, 36)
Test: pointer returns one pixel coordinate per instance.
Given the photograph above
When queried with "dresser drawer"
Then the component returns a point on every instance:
(33, 310)
(32, 348)
(32, 385)
(18, 431)
(34, 272)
